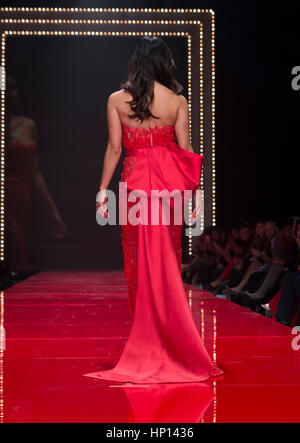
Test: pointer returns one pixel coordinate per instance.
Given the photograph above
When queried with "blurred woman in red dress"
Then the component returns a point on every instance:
(22, 179)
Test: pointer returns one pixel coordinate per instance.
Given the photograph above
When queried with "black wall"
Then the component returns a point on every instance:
(257, 45)
(63, 85)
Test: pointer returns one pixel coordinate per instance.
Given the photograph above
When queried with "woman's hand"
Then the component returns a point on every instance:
(101, 204)
(196, 214)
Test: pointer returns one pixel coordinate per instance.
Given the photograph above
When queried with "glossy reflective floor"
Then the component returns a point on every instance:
(61, 325)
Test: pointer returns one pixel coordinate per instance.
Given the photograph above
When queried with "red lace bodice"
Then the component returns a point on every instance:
(135, 138)
(141, 138)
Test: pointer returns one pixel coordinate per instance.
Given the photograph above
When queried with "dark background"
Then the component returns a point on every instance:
(257, 45)
(64, 83)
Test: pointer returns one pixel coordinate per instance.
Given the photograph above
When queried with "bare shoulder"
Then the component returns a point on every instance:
(26, 124)
(183, 101)
(117, 98)
(118, 95)
(26, 121)
(114, 96)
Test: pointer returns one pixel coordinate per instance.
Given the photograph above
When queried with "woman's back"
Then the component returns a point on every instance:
(165, 105)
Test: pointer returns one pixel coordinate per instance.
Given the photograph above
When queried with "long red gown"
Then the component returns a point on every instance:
(164, 344)
(19, 158)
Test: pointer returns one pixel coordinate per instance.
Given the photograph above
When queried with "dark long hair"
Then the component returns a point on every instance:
(152, 60)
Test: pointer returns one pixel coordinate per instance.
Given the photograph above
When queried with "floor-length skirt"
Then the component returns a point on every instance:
(164, 344)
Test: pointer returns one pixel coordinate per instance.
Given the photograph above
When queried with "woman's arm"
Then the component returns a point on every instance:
(182, 131)
(182, 127)
(114, 146)
(112, 153)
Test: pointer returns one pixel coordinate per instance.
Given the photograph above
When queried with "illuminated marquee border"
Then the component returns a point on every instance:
(13, 22)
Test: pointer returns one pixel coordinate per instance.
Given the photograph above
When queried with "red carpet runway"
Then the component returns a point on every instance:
(61, 325)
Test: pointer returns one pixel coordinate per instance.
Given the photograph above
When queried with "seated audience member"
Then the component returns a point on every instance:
(218, 249)
(290, 235)
(234, 234)
(235, 268)
(257, 250)
(203, 270)
(224, 237)
(289, 301)
(246, 234)
(295, 220)
(204, 275)
(249, 267)
(204, 260)
(281, 250)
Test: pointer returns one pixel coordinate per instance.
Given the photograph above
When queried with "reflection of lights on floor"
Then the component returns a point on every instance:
(190, 297)
(2, 331)
(1, 389)
(215, 362)
(214, 336)
(215, 402)
(202, 322)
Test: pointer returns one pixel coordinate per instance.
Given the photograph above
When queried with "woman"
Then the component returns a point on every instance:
(23, 180)
(202, 269)
(147, 115)
(234, 270)
(257, 251)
